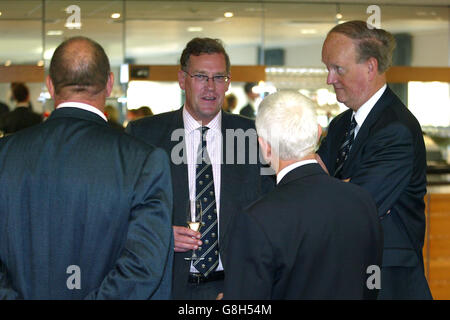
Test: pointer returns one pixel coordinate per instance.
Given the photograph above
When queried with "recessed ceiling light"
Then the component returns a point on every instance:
(115, 15)
(228, 14)
(308, 31)
(54, 32)
(195, 29)
(73, 25)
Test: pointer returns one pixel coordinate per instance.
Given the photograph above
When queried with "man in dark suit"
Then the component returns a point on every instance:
(234, 179)
(313, 237)
(85, 211)
(249, 109)
(378, 145)
(22, 116)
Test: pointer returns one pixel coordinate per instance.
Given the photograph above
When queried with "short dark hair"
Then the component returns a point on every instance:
(198, 46)
(370, 42)
(20, 91)
(79, 71)
(249, 86)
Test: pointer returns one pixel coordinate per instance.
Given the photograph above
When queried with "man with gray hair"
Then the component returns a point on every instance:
(378, 145)
(313, 236)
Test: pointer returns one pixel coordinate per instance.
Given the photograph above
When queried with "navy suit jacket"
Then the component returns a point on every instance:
(313, 237)
(241, 184)
(75, 192)
(388, 159)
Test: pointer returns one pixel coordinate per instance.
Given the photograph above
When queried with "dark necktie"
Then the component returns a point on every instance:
(204, 186)
(345, 148)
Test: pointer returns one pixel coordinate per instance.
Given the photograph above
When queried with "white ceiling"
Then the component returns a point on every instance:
(155, 28)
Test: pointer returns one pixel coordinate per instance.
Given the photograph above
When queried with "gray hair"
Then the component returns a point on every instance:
(287, 120)
(369, 41)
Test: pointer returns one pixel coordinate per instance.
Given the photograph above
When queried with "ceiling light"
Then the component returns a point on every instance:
(195, 29)
(54, 32)
(115, 15)
(7, 63)
(73, 25)
(40, 63)
(338, 16)
(0, 13)
(228, 14)
(308, 31)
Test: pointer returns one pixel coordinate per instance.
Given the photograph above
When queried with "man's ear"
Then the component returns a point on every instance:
(181, 79)
(50, 87)
(110, 84)
(266, 149)
(372, 67)
(319, 133)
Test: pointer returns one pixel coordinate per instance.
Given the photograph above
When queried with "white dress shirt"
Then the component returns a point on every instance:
(214, 147)
(291, 167)
(365, 109)
(83, 106)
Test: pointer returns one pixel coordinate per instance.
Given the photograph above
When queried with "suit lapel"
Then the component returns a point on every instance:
(180, 180)
(364, 131)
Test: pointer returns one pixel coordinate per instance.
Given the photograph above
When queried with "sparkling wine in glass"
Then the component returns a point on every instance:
(194, 222)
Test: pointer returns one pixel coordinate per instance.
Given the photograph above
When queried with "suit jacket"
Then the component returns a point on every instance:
(75, 192)
(248, 111)
(388, 159)
(18, 119)
(313, 237)
(241, 184)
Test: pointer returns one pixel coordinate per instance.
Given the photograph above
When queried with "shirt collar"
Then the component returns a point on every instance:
(190, 124)
(291, 167)
(83, 106)
(362, 113)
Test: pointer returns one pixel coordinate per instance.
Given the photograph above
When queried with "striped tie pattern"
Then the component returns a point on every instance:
(204, 183)
(345, 149)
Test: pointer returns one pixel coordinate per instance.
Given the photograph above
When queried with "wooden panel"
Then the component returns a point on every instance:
(170, 73)
(21, 73)
(405, 74)
(437, 245)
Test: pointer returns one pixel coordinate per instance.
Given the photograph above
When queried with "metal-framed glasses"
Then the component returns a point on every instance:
(202, 78)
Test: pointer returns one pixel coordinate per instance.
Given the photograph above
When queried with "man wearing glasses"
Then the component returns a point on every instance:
(207, 165)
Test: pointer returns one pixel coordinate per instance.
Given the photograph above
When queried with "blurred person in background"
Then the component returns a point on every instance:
(22, 116)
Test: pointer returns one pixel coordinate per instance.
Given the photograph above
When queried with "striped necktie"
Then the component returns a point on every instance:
(345, 149)
(204, 186)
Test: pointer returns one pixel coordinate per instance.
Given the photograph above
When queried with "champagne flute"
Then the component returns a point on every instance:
(194, 222)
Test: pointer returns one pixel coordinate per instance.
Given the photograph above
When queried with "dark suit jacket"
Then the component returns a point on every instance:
(388, 159)
(18, 119)
(248, 111)
(313, 237)
(74, 191)
(240, 183)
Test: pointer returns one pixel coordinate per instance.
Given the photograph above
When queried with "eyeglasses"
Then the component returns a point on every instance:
(201, 78)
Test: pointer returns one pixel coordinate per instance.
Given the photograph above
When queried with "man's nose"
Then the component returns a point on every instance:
(331, 77)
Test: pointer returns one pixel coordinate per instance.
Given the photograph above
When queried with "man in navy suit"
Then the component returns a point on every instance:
(236, 172)
(85, 210)
(313, 236)
(387, 153)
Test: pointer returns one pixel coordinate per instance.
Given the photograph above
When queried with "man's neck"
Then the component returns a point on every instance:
(284, 163)
(378, 83)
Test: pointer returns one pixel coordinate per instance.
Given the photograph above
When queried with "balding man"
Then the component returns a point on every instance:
(85, 210)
